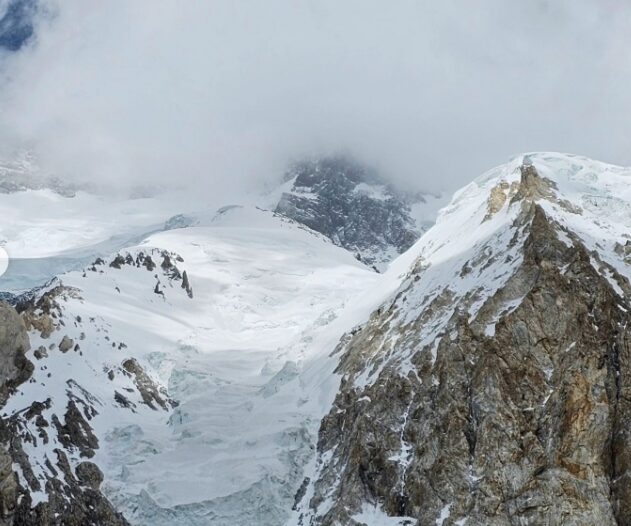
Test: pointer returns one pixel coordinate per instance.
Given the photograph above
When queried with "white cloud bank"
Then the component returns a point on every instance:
(220, 93)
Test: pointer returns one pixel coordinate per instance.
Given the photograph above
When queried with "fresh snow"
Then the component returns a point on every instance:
(445, 513)
(47, 234)
(375, 191)
(425, 210)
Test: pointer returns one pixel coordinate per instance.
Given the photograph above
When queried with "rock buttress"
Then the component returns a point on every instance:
(527, 424)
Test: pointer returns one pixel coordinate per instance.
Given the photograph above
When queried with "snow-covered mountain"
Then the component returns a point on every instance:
(48, 233)
(237, 367)
(490, 388)
(354, 207)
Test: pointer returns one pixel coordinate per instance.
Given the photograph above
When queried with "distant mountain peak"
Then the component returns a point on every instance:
(356, 208)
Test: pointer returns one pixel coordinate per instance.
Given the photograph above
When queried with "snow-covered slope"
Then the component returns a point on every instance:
(214, 442)
(52, 228)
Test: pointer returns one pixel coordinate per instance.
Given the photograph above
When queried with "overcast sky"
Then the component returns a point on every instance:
(224, 92)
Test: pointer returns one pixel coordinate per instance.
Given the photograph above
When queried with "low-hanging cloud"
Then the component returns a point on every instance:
(217, 94)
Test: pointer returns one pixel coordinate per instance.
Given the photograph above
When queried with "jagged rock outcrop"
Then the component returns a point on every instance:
(66, 344)
(52, 425)
(14, 343)
(168, 267)
(14, 369)
(70, 499)
(41, 311)
(350, 204)
(151, 394)
(496, 397)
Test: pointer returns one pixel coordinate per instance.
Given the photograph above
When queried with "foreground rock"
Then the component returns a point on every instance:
(14, 343)
(70, 498)
(498, 396)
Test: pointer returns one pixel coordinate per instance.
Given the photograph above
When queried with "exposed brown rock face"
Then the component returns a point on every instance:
(533, 187)
(66, 344)
(14, 369)
(147, 388)
(90, 475)
(498, 197)
(525, 424)
(14, 342)
(8, 488)
(71, 499)
(43, 313)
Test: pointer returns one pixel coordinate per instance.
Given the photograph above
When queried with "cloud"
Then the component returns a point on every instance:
(220, 94)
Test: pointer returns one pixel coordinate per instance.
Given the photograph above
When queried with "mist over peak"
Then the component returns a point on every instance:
(222, 96)
(237, 287)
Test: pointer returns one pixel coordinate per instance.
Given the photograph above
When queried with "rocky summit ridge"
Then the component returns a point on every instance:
(492, 388)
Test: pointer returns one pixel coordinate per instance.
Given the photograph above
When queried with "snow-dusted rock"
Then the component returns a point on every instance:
(70, 500)
(354, 207)
(491, 387)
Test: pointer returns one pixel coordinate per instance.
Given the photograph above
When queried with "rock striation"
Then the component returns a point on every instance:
(498, 394)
